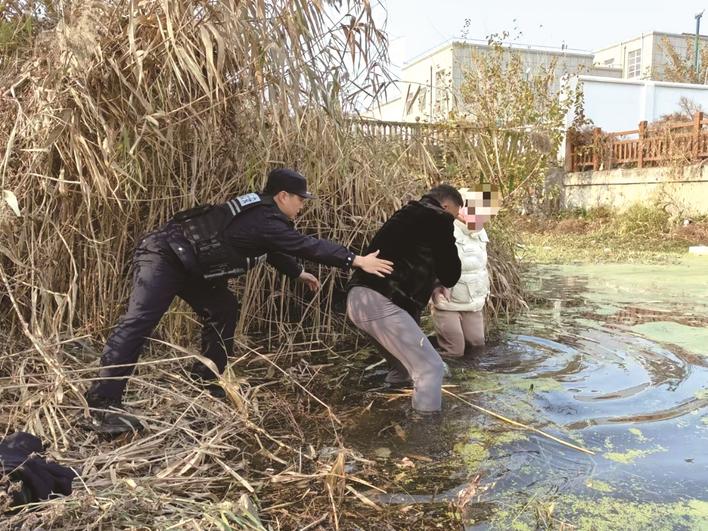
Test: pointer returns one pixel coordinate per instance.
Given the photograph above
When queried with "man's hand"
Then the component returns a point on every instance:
(373, 265)
(310, 280)
(440, 294)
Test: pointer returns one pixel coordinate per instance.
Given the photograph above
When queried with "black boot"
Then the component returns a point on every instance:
(215, 390)
(108, 417)
(208, 384)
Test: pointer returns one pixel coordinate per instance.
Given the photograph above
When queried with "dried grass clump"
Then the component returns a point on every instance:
(507, 297)
(201, 463)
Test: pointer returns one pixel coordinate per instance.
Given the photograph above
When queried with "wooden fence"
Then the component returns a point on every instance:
(660, 145)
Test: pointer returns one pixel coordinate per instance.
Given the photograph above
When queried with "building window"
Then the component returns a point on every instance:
(423, 99)
(634, 63)
(610, 62)
(442, 97)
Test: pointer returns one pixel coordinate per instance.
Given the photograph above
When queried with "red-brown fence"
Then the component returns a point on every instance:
(660, 145)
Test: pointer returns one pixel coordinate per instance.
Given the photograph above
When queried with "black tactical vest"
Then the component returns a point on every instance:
(204, 227)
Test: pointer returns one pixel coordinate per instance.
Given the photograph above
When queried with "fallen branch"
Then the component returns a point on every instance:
(519, 424)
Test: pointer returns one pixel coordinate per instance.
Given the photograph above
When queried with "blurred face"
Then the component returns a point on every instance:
(289, 204)
(481, 205)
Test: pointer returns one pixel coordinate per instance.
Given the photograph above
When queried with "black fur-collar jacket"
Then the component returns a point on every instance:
(419, 240)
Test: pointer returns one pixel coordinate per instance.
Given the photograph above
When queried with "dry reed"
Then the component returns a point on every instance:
(116, 115)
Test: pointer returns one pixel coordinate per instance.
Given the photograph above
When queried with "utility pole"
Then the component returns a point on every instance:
(430, 117)
(695, 48)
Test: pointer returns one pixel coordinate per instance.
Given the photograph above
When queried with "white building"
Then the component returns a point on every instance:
(620, 104)
(645, 57)
(430, 83)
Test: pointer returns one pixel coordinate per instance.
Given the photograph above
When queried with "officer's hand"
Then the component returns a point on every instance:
(310, 281)
(374, 265)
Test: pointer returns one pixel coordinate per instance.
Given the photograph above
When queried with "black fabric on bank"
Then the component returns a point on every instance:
(21, 461)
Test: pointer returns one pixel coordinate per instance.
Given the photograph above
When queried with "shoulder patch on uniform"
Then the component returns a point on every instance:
(239, 203)
(248, 199)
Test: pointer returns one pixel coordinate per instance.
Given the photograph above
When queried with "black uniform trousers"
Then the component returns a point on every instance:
(158, 277)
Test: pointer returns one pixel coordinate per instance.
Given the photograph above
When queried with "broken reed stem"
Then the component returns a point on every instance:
(51, 362)
(519, 424)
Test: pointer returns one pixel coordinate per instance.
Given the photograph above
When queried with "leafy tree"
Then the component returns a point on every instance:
(517, 119)
(681, 68)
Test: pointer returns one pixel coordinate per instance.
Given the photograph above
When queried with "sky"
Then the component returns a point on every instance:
(415, 26)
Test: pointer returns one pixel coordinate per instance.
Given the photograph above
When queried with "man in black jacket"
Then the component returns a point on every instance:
(191, 257)
(419, 239)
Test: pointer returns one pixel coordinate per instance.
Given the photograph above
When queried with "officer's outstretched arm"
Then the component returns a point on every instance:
(286, 264)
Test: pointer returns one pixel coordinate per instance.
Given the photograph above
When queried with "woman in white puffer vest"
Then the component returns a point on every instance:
(457, 313)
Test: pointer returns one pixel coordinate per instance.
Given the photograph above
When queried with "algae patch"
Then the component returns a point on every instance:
(690, 338)
(598, 485)
(606, 514)
(476, 449)
(473, 454)
(629, 456)
(638, 434)
(600, 514)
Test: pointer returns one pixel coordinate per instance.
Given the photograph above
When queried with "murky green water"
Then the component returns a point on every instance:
(615, 360)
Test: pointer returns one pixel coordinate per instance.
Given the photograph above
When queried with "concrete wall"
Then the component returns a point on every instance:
(390, 111)
(620, 104)
(418, 75)
(533, 60)
(421, 76)
(681, 190)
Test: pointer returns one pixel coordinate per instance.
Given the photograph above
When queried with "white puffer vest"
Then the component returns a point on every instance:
(470, 292)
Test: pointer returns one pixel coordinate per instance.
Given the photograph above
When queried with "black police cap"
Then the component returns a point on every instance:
(285, 179)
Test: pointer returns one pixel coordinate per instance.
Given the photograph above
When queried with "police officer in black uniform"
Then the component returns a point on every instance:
(192, 256)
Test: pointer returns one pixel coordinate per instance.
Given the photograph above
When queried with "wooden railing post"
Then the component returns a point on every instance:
(569, 139)
(596, 134)
(640, 144)
(697, 123)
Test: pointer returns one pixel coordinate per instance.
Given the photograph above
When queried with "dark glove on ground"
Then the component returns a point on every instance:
(40, 478)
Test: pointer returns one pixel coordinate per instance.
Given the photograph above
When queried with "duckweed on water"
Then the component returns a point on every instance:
(690, 338)
(475, 451)
(638, 434)
(609, 514)
(488, 381)
(629, 456)
(604, 514)
(472, 454)
(598, 485)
